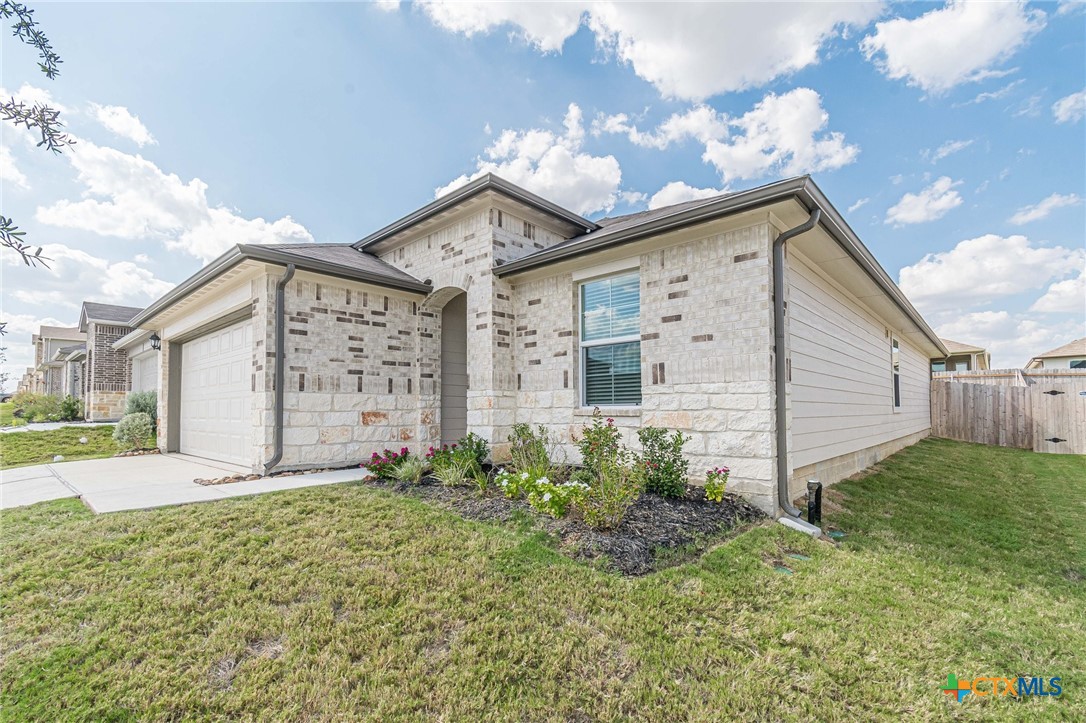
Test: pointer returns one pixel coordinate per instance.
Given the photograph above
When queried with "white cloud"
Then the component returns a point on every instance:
(33, 95)
(686, 50)
(10, 175)
(18, 349)
(73, 276)
(993, 94)
(1067, 7)
(930, 204)
(1070, 108)
(859, 204)
(1068, 295)
(679, 192)
(947, 149)
(130, 197)
(543, 25)
(119, 120)
(701, 123)
(959, 43)
(551, 165)
(782, 135)
(984, 268)
(1012, 339)
(1040, 210)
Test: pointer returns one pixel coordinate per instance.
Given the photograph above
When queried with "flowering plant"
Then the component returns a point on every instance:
(599, 443)
(715, 481)
(383, 464)
(513, 485)
(555, 499)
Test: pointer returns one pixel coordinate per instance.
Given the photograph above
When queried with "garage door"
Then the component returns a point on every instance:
(216, 396)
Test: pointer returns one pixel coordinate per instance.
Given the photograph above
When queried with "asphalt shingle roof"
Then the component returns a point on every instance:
(1071, 348)
(344, 255)
(110, 312)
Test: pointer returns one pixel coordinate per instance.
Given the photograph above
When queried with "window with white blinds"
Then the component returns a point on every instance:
(611, 341)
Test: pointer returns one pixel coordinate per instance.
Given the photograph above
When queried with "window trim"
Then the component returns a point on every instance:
(608, 271)
(895, 374)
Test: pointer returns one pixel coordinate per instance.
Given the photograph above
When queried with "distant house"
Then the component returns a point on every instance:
(26, 382)
(71, 358)
(962, 358)
(1069, 356)
(106, 375)
(49, 371)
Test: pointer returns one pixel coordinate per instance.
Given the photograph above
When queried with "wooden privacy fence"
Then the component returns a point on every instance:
(1047, 414)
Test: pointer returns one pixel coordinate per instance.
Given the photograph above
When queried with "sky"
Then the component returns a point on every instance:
(951, 136)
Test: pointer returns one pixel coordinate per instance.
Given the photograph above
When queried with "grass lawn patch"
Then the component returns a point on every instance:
(18, 449)
(351, 602)
(7, 418)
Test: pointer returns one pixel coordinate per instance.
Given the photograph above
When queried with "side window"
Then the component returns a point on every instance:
(895, 366)
(1078, 363)
(611, 341)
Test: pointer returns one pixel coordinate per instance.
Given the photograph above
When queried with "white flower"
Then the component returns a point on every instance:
(542, 481)
(524, 475)
(547, 497)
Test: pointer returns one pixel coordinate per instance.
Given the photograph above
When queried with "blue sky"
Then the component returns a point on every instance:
(951, 136)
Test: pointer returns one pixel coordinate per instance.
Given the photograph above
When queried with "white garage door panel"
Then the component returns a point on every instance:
(216, 395)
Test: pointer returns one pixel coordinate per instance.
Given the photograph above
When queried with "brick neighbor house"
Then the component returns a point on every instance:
(492, 306)
(51, 372)
(106, 368)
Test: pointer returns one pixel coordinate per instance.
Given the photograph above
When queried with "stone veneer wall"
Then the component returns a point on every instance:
(706, 355)
(351, 372)
(108, 379)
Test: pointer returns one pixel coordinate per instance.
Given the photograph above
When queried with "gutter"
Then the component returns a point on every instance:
(280, 366)
(780, 360)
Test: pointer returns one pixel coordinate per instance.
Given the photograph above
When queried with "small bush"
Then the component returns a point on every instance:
(599, 443)
(555, 499)
(133, 431)
(38, 407)
(475, 446)
(715, 482)
(384, 464)
(409, 468)
(665, 467)
(604, 503)
(531, 451)
(71, 409)
(453, 469)
(146, 402)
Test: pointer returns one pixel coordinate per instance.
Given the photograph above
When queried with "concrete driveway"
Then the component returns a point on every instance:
(136, 483)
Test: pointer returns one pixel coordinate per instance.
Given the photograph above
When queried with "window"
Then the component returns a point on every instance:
(939, 366)
(1078, 364)
(895, 364)
(611, 341)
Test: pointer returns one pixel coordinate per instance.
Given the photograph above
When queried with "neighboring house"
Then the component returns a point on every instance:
(106, 374)
(26, 383)
(71, 360)
(492, 306)
(47, 342)
(962, 358)
(1069, 356)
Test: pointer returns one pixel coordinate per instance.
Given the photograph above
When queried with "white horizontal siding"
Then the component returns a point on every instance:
(842, 384)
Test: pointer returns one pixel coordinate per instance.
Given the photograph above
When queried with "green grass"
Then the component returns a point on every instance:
(7, 418)
(18, 449)
(346, 602)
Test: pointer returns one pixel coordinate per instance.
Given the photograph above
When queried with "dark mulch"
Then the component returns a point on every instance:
(657, 531)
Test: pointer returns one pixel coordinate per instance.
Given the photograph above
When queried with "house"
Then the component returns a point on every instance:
(962, 358)
(26, 382)
(70, 358)
(51, 372)
(1071, 355)
(756, 322)
(106, 374)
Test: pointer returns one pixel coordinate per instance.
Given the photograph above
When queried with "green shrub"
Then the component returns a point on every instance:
(715, 481)
(40, 408)
(146, 402)
(662, 456)
(133, 431)
(481, 480)
(475, 446)
(409, 469)
(531, 451)
(599, 443)
(384, 464)
(555, 499)
(451, 470)
(618, 486)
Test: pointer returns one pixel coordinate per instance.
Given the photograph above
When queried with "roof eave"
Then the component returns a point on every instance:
(467, 191)
(243, 252)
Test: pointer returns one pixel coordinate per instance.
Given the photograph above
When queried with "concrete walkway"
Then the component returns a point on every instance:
(138, 483)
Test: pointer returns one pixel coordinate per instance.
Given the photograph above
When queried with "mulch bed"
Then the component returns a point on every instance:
(656, 532)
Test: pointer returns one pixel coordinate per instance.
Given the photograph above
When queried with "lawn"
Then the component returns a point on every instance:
(7, 418)
(18, 449)
(347, 602)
